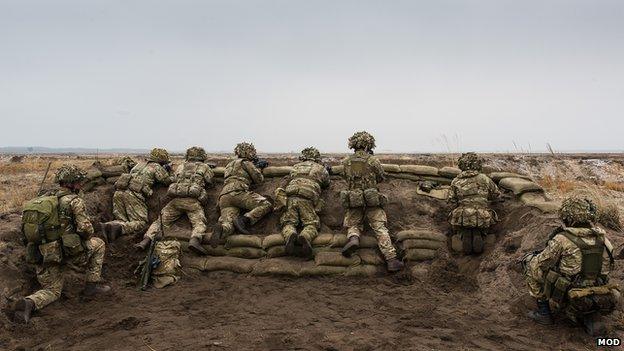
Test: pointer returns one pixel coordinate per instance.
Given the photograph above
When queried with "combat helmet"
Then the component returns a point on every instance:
(310, 154)
(245, 151)
(69, 174)
(127, 161)
(470, 161)
(196, 153)
(362, 141)
(159, 155)
(576, 211)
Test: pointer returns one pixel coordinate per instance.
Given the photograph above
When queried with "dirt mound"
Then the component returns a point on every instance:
(452, 302)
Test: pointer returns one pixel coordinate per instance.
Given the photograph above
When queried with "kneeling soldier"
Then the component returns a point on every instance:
(189, 194)
(304, 201)
(572, 272)
(60, 237)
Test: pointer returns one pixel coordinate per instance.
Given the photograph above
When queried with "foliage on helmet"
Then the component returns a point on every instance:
(126, 161)
(159, 155)
(470, 161)
(362, 141)
(310, 154)
(196, 153)
(577, 211)
(69, 174)
(246, 151)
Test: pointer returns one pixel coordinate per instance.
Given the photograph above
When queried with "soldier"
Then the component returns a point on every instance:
(363, 201)
(61, 239)
(303, 202)
(188, 193)
(572, 272)
(132, 191)
(239, 176)
(472, 191)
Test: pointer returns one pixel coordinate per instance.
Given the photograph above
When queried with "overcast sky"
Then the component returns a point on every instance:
(422, 76)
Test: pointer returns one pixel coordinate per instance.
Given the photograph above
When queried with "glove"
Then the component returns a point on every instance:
(262, 164)
(167, 167)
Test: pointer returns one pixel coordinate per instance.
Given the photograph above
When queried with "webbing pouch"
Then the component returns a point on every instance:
(72, 244)
(51, 252)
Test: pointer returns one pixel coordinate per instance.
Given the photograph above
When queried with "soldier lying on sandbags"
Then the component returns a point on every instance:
(572, 272)
(188, 193)
(363, 201)
(240, 174)
(471, 191)
(302, 201)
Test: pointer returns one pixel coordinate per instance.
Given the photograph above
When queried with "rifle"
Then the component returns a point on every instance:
(261, 163)
(45, 175)
(151, 262)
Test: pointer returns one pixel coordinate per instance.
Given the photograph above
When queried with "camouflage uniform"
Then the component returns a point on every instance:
(129, 201)
(74, 220)
(362, 172)
(239, 176)
(188, 193)
(304, 196)
(472, 191)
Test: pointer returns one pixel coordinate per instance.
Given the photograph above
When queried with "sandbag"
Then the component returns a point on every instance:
(498, 176)
(321, 270)
(422, 244)
(113, 171)
(231, 264)
(407, 176)
(426, 234)
(336, 259)
(420, 254)
(419, 170)
(276, 251)
(212, 251)
(449, 172)
(112, 180)
(364, 270)
(439, 180)
(246, 252)
(330, 240)
(519, 186)
(337, 169)
(277, 266)
(391, 168)
(243, 241)
(539, 201)
(370, 257)
(367, 241)
(272, 240)
(93, 173)
(218, 171)
(277, 171)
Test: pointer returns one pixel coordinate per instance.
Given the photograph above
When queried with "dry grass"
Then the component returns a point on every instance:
(558, 185)
(615, 186)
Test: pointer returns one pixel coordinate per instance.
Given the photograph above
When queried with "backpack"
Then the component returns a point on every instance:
(40, 220)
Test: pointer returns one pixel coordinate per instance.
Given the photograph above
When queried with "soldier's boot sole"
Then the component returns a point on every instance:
(477, 243)
(115, 230)
(290, 244)
(92, 289)
(594, 325)
(539, 318)
(306, 248)
(217, 232)
(241, 223)
(23, 311)
(351, 246)
(195, 246)
(394, 265)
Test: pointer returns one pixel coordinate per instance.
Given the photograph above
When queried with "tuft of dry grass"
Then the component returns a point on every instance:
(558, 185)
(615, 186)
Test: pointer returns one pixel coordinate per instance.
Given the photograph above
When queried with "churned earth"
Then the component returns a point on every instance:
(451, 303)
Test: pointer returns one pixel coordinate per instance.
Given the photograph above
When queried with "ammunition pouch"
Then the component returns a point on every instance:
(187, 190)
(373, 198)
(556, 287)
(72, 244)
(472, 217)
(138, 186)
(51, 252)
(33, 256)
(123, 182)
(301, 191)
(586, 300)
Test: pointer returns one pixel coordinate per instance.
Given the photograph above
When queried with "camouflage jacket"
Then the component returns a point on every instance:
(473, 188)
(564, 256)
(307, 180)
(151, 173)
(73, 214)
(196, 172)
(362, 170)
(239, 175)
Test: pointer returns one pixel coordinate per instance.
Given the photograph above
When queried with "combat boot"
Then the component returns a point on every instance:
(542, 315)
(114, 231)
(394, 265)
(594, 325)
(477, 243)
(217, 232)
(143, 244)
(290, 244)
(306, 247)
(93, 288)
(352, 245)
(195, 245)
(23, 309)
(104, 230)
(242, 223)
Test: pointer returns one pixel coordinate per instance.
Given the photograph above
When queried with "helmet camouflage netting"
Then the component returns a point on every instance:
(69, 174)
(246, 151)
(126, 161)
(159, 155)
(470, 161)
(577, 210)
(311, 154)
(362, 141)
(196, 153)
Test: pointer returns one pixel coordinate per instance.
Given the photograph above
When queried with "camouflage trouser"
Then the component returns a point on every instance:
(51, 277)
(130, 210)
(300, 211)
(174, 210)
(230, 205)
(376, 217)
(535, 279)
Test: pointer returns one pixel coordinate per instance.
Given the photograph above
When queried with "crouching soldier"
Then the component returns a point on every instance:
(240, 175)
(303, 202)
(131, 193)
(572, 272)
(363, 201)
(60, 237)
(471, 192)
(188, 193)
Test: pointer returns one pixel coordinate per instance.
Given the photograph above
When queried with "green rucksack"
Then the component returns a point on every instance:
(40, 220)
